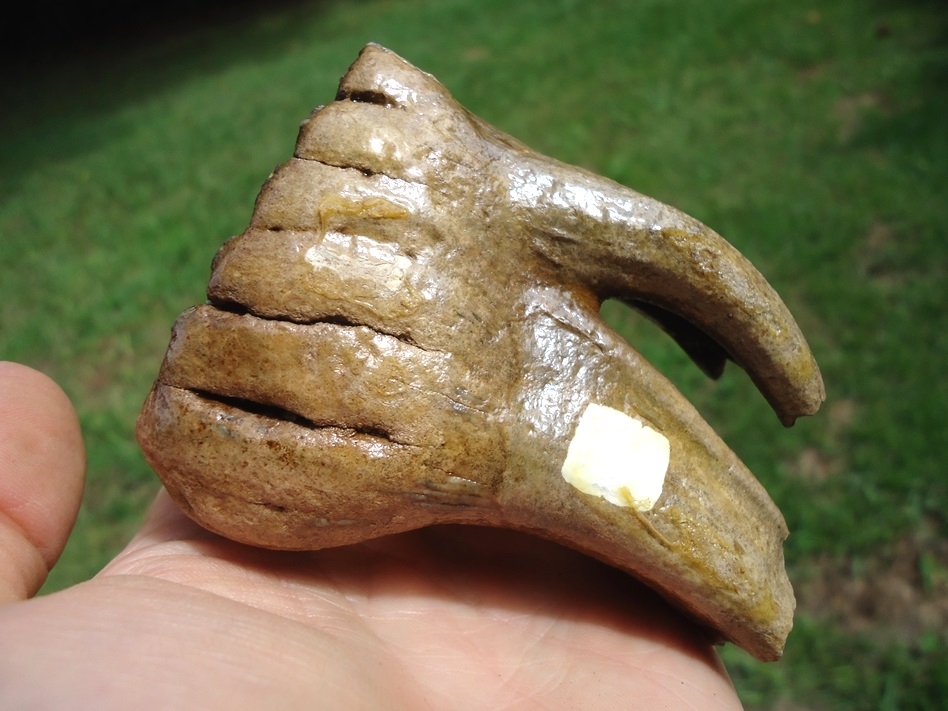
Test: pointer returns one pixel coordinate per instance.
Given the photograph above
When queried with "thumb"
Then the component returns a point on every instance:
(42, 471)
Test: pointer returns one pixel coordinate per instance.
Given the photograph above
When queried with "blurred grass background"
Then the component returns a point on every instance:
(813, 137)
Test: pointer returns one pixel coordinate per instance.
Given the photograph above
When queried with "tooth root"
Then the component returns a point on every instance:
(713, 541)
(271, 506)
(632, 247)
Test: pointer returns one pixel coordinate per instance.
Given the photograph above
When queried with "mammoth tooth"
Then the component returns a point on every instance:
(408, 333)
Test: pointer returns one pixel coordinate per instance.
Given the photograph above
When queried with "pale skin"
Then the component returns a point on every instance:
(444, 618)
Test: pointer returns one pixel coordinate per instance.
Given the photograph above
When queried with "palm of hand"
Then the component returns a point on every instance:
(449, 617)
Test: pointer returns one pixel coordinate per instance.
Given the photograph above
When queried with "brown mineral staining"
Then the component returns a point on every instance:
(408, 333)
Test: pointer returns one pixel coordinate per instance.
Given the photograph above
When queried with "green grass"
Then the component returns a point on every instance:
(813, 138)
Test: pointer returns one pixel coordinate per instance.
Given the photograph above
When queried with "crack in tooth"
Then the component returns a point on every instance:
(238, 309)
(366, 96)
(275, 412)
(364, 170)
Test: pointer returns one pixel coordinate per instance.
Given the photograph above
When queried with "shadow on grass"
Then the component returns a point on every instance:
(38, 39)
(88, 59)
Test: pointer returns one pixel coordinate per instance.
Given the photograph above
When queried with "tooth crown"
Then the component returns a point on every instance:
(408, 333)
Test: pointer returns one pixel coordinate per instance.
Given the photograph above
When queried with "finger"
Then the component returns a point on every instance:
(42, 471)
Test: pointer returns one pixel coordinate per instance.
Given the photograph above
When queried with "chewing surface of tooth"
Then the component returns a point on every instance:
(408, 333)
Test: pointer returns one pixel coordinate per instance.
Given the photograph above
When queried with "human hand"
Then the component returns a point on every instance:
(445, 617)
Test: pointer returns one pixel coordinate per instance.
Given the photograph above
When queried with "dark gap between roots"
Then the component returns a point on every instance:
(252, 407)
(239, 309)
(366, 96)
(231, 307)
(274, 412)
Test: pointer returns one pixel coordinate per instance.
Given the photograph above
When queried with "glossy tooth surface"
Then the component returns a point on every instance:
(408, 333)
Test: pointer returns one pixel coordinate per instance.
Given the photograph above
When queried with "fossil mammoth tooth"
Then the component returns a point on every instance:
(408, 333)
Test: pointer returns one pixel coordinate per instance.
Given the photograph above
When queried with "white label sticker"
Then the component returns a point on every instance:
(618, 458)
